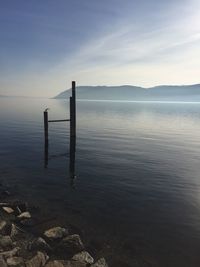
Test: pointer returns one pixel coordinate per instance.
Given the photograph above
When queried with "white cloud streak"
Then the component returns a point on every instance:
(132, 53)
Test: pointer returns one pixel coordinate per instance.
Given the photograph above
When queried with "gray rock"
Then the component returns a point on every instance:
(72, 244)
(24, 215)
(38, 261)
(14, 231)
(74, 264)
(100, 263)
(27, 222)
(39, 244)
(56, 233)
(8, 210)
(5, 242)
(84, 257)
(55, 264)
(10, 253)
(15, 262)
(2, 262)
(3, 226)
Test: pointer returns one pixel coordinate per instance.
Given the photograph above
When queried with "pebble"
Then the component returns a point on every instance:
(15, 262)
(5, 242)
(14, 231)
(3, 226)
(10, 253)
(54, 264)
(38, 261)
(24, 215)
(56, 233)
(74, 264)
(83, 256)
(8, 210)
(100, 263)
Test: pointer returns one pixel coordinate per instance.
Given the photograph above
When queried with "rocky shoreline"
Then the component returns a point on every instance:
(55, 247)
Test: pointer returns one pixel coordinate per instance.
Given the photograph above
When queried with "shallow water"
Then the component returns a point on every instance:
(137, 187)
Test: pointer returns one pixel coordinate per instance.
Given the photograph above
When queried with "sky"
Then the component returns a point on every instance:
(44, 45)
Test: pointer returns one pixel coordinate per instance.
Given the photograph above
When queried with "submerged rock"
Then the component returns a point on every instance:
(4, 193)
(39, 244)
(56, 233)
(15, 262)
(100, 263)
(84, 257)
(38, 261)
(27, 222)
(72, 244)
(5, 242)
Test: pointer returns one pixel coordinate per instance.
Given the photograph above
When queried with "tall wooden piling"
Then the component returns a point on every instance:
(73, 111)
(46, 138)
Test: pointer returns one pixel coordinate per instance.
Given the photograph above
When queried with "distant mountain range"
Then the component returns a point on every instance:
(9, 96)
(18, 96)
(129, 92)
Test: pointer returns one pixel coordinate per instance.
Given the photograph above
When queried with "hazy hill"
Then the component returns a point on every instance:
(128, 92)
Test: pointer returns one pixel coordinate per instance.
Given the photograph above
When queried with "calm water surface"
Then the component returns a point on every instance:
(136, 197)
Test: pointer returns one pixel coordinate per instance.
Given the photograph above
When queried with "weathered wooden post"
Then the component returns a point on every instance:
(73, 111)
(46, 138)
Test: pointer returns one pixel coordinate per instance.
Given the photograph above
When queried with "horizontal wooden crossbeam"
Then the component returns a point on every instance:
(58, 120)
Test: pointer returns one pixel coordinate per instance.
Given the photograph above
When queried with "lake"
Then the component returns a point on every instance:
(136, 196)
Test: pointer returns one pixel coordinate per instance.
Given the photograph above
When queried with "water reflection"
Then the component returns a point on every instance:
(46, 153)
(138, 169)
(72, 157)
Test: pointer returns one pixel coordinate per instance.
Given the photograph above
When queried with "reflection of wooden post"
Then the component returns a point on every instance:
(46, 154)
(73, 111)
(46, 126)
(72, 154)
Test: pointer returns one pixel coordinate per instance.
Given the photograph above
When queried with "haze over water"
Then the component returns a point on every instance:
(137, 192)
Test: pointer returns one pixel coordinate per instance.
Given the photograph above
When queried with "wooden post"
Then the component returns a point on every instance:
(46, 139)
(73, 111)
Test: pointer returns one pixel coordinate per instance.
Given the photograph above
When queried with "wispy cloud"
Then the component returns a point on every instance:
(114, 42)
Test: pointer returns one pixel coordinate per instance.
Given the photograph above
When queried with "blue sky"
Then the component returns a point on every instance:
(46, 44)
